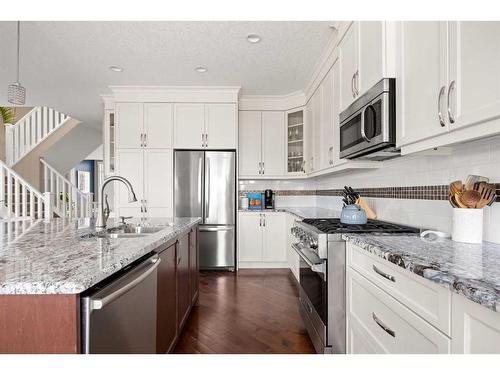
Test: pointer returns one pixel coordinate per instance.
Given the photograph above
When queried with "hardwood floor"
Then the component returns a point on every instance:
(253, 311)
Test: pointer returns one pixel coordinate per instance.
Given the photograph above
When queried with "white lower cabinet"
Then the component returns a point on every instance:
(392, 310)
(293, 257)
(379, 323)
(262, 240)
(476, 329)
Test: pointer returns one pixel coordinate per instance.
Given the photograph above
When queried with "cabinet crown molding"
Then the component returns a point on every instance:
(272, 102)
(176, 94)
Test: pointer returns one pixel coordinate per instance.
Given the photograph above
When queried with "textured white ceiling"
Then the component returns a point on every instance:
(65, 64)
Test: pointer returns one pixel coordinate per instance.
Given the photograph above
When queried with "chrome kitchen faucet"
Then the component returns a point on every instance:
(102, 218)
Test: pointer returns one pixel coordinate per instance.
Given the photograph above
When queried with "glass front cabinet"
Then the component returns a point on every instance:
(295, 141)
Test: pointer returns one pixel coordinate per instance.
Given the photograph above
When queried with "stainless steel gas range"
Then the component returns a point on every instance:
(322, 276)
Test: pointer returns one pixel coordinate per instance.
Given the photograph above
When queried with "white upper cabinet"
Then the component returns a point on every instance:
(129, 119)
(189, 125)
(308, 138)
(367, 55)
(158, 125)
(273, 143)
(250, 143)
(335, 115)
(327, 122)
(220, 126)
(447, 81)
(348, 66)
(421, 81)
(262, 140)
(371, 54)
(474, 73)
(317, 128)
(143, 125)
(205, 126)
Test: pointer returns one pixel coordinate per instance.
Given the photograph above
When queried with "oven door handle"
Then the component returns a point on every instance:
(306, 259)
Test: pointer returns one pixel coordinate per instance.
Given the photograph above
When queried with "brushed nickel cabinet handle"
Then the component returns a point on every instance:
(352, 86)
(356, 82)
(451, 117)
(383, 274)
(440, 115)
(383, 326)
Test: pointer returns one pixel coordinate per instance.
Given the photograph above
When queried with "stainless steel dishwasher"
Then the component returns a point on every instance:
(120, 316)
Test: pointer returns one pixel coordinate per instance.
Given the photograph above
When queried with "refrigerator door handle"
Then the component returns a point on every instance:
(207, 188)
(200, 186)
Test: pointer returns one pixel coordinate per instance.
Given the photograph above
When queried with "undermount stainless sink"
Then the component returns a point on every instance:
(126, 235)
(126, 231)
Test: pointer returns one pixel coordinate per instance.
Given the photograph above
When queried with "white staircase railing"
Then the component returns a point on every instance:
(18, 199)
(29, 131)
(67, 199)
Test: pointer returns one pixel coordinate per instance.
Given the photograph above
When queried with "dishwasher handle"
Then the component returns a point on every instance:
(97, 304)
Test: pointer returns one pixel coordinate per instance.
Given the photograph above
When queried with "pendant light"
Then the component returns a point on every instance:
(17, 93)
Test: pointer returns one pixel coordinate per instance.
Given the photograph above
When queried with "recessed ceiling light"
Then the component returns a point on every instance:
(115, 68)
(253, 38)
(201, 69)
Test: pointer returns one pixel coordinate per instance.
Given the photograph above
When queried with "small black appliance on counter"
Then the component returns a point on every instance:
(268, 199)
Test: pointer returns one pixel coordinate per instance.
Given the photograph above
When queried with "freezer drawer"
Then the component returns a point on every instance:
(217, 247)
(120, 317)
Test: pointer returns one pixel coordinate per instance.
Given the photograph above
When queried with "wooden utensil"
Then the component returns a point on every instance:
(473, 179)
(456, 187)
(471, 198)
(458, 201)
(486, 193)
(369, 212)
(451, 199)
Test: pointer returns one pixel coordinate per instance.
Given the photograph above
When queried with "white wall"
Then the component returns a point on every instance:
(480, 157)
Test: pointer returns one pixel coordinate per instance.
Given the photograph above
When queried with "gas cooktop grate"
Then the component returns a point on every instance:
(332, 226)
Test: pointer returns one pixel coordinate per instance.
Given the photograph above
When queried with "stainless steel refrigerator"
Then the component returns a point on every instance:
(205, 186)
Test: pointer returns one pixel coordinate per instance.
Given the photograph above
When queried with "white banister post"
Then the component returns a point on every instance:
(9, 144)
(48, 198)
(90, 200)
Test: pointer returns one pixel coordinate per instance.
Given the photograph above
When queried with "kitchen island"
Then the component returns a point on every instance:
(46, 266)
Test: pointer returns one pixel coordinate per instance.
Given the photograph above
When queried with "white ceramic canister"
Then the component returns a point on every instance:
(467, 225)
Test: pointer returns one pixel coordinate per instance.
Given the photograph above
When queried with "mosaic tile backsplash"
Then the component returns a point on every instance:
(431, 192)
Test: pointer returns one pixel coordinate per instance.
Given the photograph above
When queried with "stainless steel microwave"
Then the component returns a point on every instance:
(368, 126)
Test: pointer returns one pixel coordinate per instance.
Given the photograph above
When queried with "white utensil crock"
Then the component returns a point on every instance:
(467, 225)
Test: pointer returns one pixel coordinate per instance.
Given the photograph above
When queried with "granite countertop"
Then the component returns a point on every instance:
(52, 258)
(301, 212)
(472, 271)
